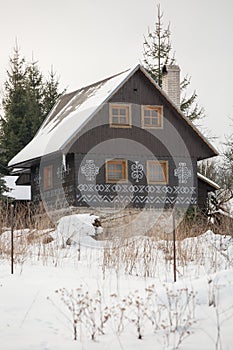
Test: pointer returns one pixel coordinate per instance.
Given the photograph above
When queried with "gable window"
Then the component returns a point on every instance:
(119, 115)
(157, 172)
(48, 177)
(152, 116)
(116, 170)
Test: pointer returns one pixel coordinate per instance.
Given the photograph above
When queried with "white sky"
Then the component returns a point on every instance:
(89, 40)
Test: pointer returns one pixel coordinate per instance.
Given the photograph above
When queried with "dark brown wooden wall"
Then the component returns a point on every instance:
(203, 190)
(63, 189)
(176, 137)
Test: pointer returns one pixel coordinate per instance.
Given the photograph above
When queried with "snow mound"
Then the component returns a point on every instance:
(221, 242)
(77, 229)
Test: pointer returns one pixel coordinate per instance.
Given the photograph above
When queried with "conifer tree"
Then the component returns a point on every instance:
(3, 187)
(14, 132)
(50, 93)
(34, 89)
(157, 52)
(28, 98)
(157, 49)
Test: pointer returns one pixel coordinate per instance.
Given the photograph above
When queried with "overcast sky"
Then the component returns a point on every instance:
(88, 40)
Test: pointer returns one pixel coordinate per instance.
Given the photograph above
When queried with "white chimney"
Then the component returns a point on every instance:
(171, 82)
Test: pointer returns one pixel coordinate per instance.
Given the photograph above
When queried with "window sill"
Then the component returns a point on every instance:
(152, 127)
(121, 126)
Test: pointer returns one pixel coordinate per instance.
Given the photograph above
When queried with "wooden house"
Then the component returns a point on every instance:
(121, 142)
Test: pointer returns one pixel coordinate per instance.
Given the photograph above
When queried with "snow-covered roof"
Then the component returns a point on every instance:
(70, 113)
(207, 180)
(73, 111)
(17, 192)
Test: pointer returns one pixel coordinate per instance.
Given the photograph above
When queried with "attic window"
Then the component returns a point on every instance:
(116, 170)
(48, 177)
(152, 116)
(119, 115)
(157, 172)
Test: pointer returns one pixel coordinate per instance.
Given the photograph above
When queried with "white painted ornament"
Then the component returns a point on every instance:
(183, 173)
(137, 171)
(90, 170)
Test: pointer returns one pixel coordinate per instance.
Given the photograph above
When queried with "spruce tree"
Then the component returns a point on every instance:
(50, 93)
(34, 88)
(28, 98)
(157, 52)
(157, 49)
(13, 125)
(3, 188)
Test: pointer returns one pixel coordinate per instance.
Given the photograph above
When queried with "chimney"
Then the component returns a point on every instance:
(171, 82)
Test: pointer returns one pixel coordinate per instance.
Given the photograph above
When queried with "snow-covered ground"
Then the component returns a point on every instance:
(110, 294)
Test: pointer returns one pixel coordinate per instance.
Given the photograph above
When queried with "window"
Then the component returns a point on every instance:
(48, 177)
(157, 172)
(116, 170)
(119, 115)
(152, 116)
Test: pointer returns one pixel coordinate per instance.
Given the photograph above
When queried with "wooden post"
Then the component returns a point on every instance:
(12, 238)
(174, 244)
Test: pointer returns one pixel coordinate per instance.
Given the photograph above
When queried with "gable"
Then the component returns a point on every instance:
(176, 138)
(140, 90)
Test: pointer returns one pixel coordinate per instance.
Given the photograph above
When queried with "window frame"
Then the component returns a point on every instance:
(48, 177)
(128, 115)
(122, 161)
(159, 108)
(165, 164)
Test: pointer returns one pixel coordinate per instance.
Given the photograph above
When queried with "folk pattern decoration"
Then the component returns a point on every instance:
(139, 189)
(122, 199)
(183, 173)
(137, 171)
(97, 194)
(90, 170)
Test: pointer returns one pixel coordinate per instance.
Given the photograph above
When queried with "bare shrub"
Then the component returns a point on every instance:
(96, 314)
(75, 302)
(170, 313)
(85, 309)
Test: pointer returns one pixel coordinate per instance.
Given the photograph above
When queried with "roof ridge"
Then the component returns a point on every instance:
(96, 83)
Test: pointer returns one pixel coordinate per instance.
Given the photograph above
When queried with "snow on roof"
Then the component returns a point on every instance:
(210, 182)
(17, 192)
(73, 111)
(70, 113)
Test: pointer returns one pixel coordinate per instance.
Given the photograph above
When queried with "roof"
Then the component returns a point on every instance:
(17, 192)
(70, 113)
(208, 181)
(74, 110)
